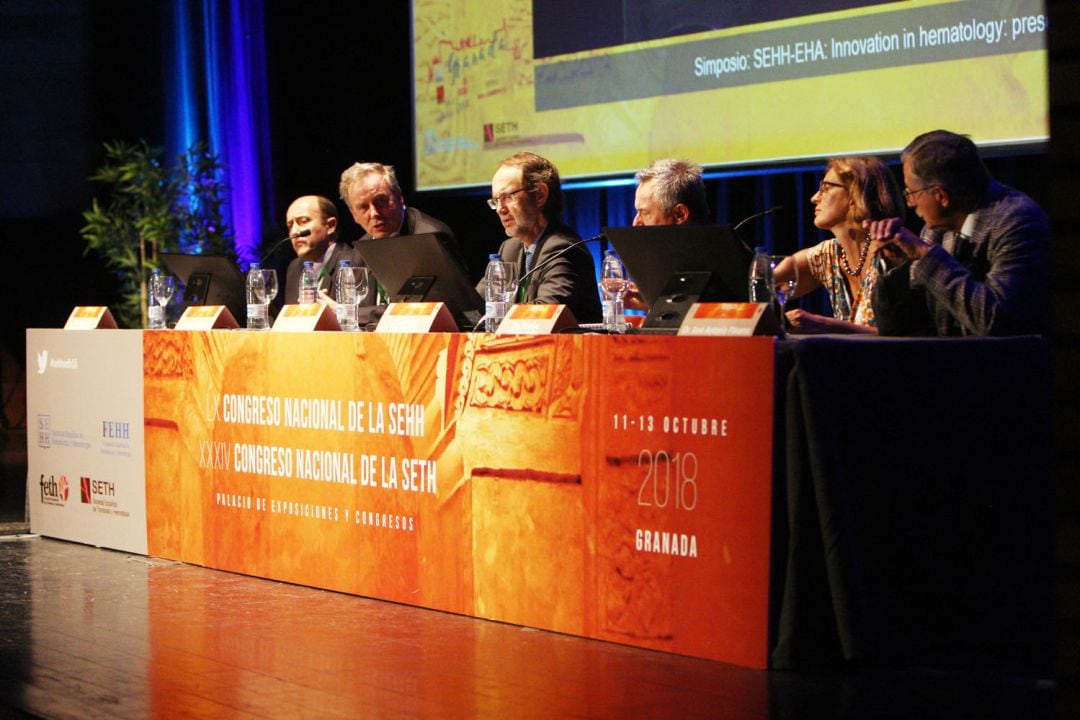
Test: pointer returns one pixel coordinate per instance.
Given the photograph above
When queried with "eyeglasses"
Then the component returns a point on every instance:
(504, 198)
(908, 194)
(825, 186)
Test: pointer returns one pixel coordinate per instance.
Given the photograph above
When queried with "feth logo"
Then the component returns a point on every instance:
(53, 491)
(42, 362)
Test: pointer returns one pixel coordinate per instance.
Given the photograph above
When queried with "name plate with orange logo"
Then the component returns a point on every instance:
(301, 318)
(419, 317)
(90, 317)
(729, 319)
(536, 320)
(206, 317)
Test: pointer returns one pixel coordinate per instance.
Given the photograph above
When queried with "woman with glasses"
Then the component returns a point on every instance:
(854, 189)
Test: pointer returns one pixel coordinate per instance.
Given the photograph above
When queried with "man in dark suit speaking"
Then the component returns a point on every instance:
(555, 266)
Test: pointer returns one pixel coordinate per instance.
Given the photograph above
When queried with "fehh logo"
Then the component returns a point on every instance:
(42, 361)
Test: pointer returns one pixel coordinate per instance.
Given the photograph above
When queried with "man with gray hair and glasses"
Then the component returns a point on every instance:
(980, 266)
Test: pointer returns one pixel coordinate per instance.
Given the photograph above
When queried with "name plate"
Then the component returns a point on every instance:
(418, 317)
(206, 317)
(729, 319)
(301, 318)
(90, 317)
(536, 320)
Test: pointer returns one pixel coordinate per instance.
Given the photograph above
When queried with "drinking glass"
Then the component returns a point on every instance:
(161, 285)
(362, 276)
(270, 284)
(785, 289)
(613, 279)
(510, 290)
(613, 284)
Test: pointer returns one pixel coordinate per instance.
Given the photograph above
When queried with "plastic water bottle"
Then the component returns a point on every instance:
(256, 298)
(494, 293)
(345, 295)
(309, 284)
(613, 288)
(762, 288)
(155, 309)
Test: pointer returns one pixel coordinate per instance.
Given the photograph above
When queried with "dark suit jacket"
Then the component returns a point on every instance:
(993, 281)
(561, 275)
(341, 250)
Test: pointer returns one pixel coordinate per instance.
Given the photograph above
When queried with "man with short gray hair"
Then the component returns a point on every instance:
(670, 192)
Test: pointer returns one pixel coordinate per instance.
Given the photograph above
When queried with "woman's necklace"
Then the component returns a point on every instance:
(862, 258)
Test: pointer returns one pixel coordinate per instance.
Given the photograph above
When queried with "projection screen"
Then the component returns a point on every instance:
(603, 87)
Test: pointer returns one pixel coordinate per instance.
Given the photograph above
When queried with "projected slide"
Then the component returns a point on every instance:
(605, 87)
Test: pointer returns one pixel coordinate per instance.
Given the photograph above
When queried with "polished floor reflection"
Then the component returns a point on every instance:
(89, 633)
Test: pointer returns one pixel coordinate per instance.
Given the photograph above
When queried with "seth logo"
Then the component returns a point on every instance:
(42, 361)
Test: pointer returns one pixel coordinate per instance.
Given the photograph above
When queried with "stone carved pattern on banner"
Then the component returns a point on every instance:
(515, 381)
(635, 603)
(512, 374)
(566, 390)
(526, 374)
(468, 355)
(167, 357)
(633, 585)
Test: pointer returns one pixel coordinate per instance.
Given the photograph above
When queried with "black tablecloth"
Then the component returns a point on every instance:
(915, 503)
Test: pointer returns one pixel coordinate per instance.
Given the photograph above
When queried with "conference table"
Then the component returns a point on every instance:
(785, 504)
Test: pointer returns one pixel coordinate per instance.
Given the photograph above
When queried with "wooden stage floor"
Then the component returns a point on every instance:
(89, 633)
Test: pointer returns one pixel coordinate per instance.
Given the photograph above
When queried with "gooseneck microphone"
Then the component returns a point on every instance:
(298, 234)
(755, 216)
(547, 261)
(734, 229)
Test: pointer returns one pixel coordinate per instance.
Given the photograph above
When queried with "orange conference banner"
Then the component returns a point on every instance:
(611, 487)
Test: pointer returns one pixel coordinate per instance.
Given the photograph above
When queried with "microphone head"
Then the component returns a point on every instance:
(303, 233)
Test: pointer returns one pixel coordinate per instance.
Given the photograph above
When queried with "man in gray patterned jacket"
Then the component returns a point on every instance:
(980, 266)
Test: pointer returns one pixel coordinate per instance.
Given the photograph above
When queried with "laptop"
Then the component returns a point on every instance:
(417, 268)
(653, 255)
(208, 280)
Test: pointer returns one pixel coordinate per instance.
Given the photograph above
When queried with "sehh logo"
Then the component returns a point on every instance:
(84, 490)
(42, 361)
(44, 431)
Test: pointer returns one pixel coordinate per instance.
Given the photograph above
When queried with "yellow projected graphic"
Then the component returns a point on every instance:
(862, 80)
